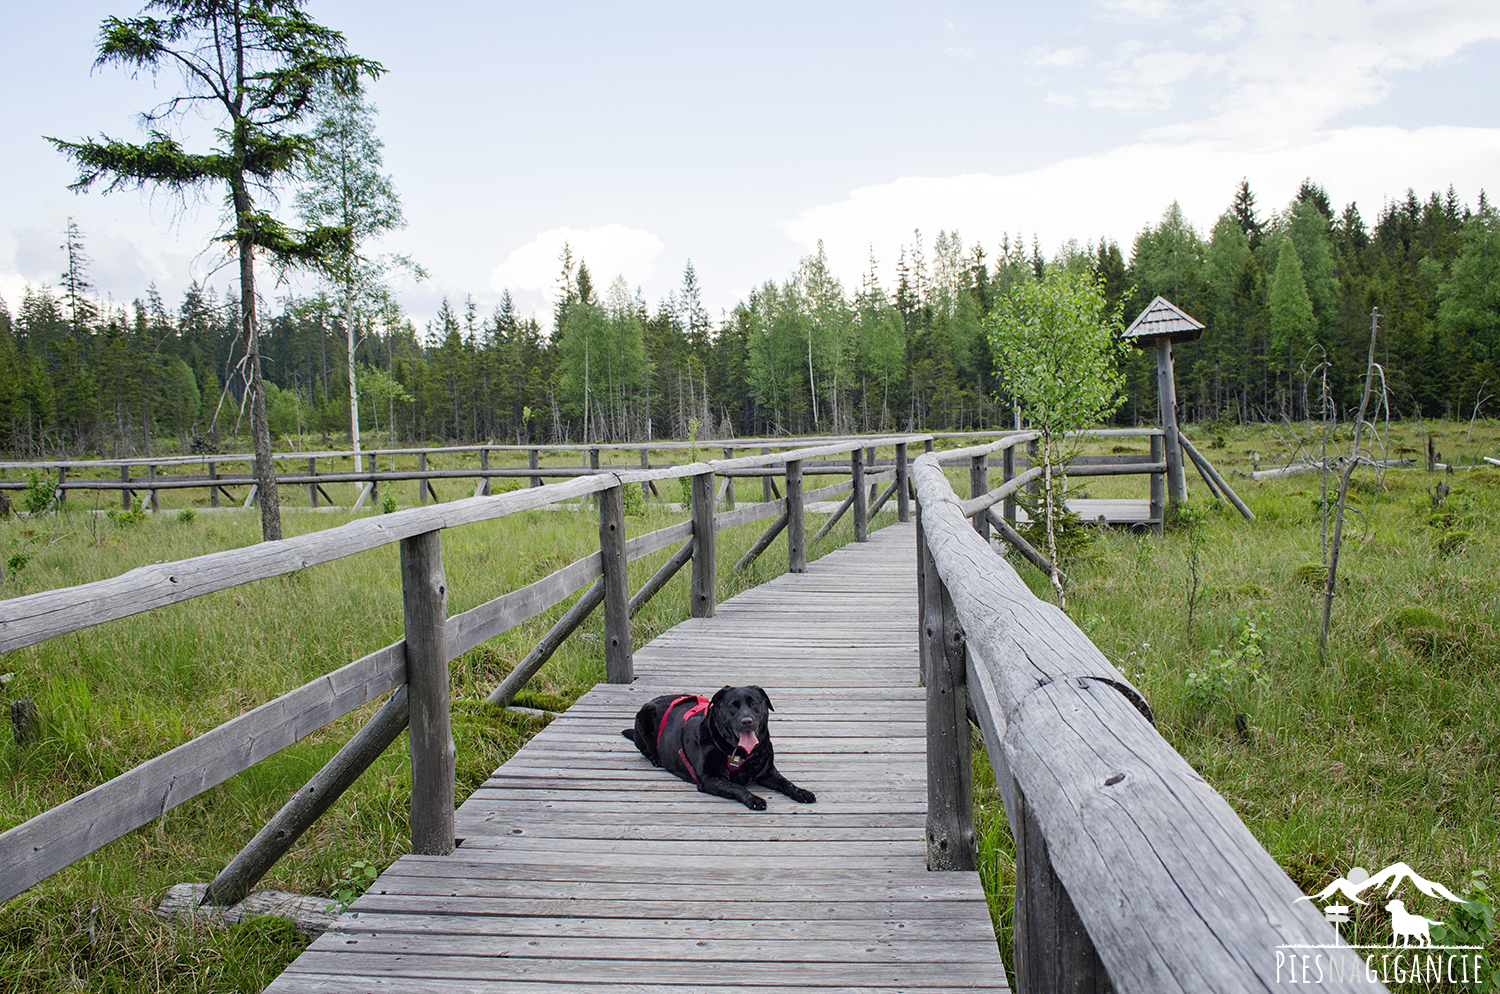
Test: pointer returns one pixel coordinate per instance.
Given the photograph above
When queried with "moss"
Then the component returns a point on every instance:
(1310, 575)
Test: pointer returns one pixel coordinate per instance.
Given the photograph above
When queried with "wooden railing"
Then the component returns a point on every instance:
(416, 667)
(208, 472)
(1132, 873)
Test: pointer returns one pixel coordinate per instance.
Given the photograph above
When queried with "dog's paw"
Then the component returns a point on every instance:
(755, 802)
(802, 796)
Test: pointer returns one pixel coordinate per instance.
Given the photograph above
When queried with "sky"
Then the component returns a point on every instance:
(648, 135)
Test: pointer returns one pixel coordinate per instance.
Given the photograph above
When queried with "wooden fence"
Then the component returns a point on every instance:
(1132, 873)
(416, 667)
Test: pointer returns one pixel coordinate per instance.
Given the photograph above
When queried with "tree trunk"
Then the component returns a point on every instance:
(353, 393)
(260, 426)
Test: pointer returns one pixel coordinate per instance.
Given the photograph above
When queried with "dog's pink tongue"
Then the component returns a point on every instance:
(748, 742)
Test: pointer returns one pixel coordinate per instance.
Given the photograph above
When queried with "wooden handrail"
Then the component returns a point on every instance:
(1131, 870)
(56, 838)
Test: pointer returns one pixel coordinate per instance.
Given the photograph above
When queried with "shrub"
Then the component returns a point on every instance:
(37, 496)
(186, 515)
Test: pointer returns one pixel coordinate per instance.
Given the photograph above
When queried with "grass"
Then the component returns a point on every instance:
(1388, 750)
(113, 696)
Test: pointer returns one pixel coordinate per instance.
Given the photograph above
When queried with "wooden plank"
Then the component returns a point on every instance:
(35, 849)
(424, 589)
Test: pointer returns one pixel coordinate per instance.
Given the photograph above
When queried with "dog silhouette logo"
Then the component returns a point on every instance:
(1407, 926)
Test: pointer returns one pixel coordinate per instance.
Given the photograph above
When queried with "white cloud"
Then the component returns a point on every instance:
(1057, 57)
(610, 250)
(959, 53)
(1117, 193)
(1061, 99)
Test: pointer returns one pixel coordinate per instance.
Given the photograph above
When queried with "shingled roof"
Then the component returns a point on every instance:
(1162, 319)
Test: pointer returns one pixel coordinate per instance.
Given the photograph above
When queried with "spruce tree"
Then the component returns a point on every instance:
(257, 65)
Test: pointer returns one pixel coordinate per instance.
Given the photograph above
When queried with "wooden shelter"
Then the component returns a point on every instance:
(1159, 325)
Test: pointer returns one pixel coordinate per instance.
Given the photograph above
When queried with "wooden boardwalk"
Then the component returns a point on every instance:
(582, 866)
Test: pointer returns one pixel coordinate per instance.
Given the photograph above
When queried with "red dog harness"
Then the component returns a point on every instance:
(700, 705)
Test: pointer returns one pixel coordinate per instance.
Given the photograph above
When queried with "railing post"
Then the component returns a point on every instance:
(1166, 391)
(729, 483)
(979, 485)
(1053, 951)
(704, 595)
(594, 459)
(62, 478)
(422, 481)
(424, 598)
(765, 481)
(312, 488)
(903, 499)
(796, 531)
(151, 481)
(861, 502)
(873, 466)
(1158, 487)
(1008, 469)
(950, 810)
(484, 467)
(619, 665)
(533, 460)
(125, 490)
(213, 486)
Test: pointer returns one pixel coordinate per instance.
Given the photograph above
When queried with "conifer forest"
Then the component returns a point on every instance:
(1286, 294)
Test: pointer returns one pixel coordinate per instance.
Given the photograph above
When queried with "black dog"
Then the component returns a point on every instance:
(721, 744)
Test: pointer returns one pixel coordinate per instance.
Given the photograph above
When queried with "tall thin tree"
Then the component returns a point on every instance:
(258, 65)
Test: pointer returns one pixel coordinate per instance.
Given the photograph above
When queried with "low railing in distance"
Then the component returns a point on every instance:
(1132, 873)
(415, 667)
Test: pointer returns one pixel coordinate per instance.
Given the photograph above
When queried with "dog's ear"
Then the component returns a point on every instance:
(765, 697)
(719, 697)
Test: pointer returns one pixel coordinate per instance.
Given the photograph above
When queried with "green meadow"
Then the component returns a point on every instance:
(1387, 749)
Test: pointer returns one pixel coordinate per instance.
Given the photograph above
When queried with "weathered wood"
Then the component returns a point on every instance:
(533, 460)
(1008, 473)
(659, 579)
(233, 883)
(34, 617)
(422, 481)
(1115, 469)
(880, 501)
(309, 915)
(424, 597)
(312, 488)
(213, 490)
(618, 667)
(796, 533)
(950, 812)
(834, 519)
(703, 597)
(125, 488)
(1053, 952)
(480, 624)
(1174, 891)
(982, 502)
(1209, 473)
(979, 485)
(35, 849)
(1166, 389)
(861, 502)
(484, 467)
(151, 482)
(822, 493)
(748, 513)
(729, 483)
(1158, 486)
(538, 656)
(903, 486)
(761, 544)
